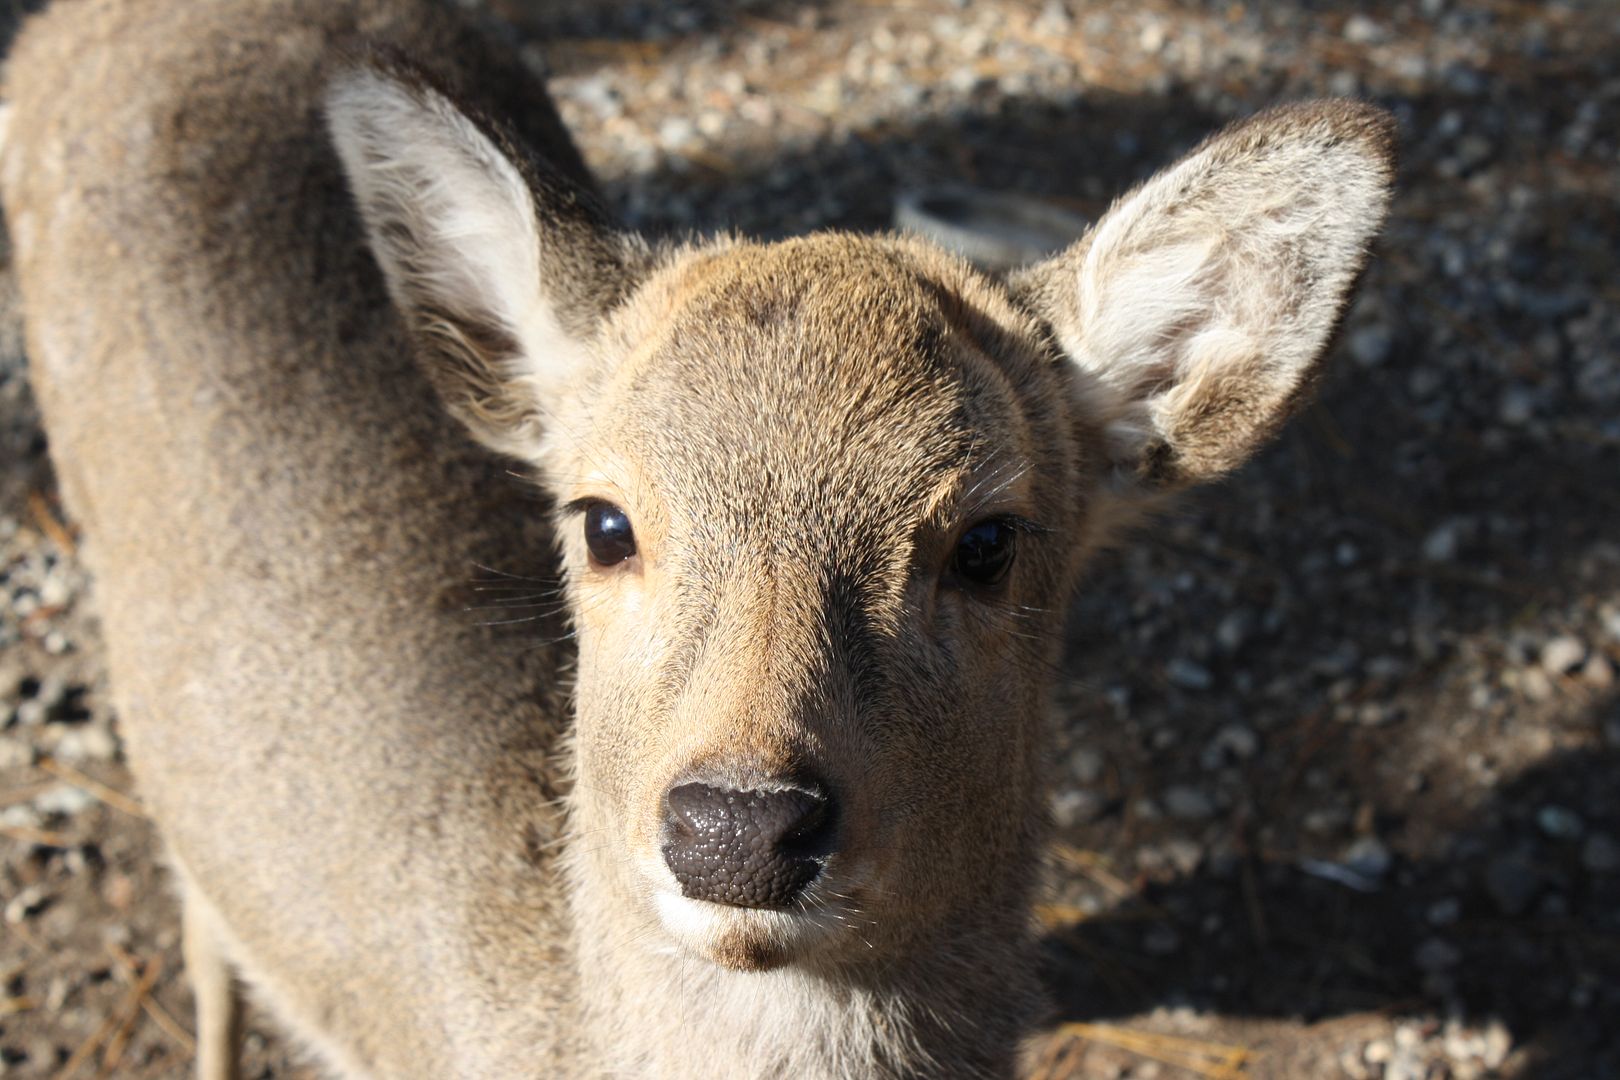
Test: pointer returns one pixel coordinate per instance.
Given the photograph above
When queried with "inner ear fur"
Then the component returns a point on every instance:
(1197, 310)
(502, 266)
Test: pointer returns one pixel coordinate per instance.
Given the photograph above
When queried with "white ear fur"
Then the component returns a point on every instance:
(1202, 301)
(460, 219)
(454, 225)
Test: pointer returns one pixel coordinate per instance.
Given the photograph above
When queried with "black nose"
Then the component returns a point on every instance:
(752, 849)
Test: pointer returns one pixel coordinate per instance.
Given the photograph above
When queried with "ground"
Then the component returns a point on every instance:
(1339, 738)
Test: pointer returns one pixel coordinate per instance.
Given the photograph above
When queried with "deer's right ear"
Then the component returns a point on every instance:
(502, 269)
(1195, 314)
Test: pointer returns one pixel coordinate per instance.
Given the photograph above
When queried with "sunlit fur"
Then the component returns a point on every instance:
(435, 853)
(799, 432)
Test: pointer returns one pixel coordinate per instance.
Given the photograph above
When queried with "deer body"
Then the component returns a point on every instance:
(778, 811)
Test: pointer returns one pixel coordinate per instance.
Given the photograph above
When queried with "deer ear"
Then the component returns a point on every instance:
(1196, 312)
(502, 268)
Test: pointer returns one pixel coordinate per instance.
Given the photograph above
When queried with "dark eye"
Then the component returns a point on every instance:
(985, 552)
(608, 534)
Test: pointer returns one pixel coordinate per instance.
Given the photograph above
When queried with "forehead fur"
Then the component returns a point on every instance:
(800, 368)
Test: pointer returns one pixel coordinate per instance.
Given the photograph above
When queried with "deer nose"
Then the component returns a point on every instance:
(753, 849)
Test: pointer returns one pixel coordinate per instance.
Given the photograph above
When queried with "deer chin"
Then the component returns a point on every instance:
(751, 939)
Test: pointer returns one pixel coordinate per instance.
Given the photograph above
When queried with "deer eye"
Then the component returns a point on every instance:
(608, 534)
(985, 552)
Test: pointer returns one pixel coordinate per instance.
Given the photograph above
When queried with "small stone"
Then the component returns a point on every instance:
(1352, 1065)
(1326, 820)
(1600, 854)
(1370, 345)
(1516, 406)
(27, 903)
(1559, 823)
(1378, 714)
(1162, 940)
(1436, 955)
(1444, 912)
(677, 133)
(1361, 30)
(1151, 39)
(1561, 655)
(1441, 545)
(1188, 675)
(1053, 21)
(21, 816)
(15, 753)
(1234, 629)
(1077, 806)
(87, 744)
(1497, 1044)
(1535, 685)
(1188, 804)
(1086, 765)
(1184, 855)
(1234, 742)
(1368, 857)
(119, 891)
(1512, 883)
(1597, 672)
(63, 799)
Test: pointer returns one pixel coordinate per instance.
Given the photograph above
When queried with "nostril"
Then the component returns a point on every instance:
(747, 848)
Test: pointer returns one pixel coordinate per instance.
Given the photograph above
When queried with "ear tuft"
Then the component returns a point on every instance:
(1197, 310)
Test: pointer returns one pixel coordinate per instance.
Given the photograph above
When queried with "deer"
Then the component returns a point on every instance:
(331, 329)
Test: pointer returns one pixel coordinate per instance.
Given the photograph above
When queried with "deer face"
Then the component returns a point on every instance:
(823, 501)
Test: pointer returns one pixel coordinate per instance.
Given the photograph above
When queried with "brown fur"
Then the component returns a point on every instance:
(361, 787)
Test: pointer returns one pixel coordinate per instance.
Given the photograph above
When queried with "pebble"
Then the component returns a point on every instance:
(1188, 803)
(1182, 854)
(87, 744)
(1437, 954)
(1369, 857)
(1234, 742)
(1161, 940)
(1361, 30)
(1077, 806)
(1600, 854)
(1444, 912)
(1234, 629)
(26, 904)
(1559, 822)
(1370, 345)
(1086, 765)
(63, 799)
(1516, 406)
(1188, 674)
(1440, 546)
(1597, 672)
(15, 752)
(1536, 685)
(1562, 654)
(1512, 883)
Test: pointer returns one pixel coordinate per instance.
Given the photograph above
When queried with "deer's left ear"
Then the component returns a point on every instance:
(1196, 311)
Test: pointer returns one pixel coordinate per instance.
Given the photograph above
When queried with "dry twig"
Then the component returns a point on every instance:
(109, 795)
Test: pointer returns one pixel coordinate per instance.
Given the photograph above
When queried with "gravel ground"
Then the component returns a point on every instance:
(1340, 737)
